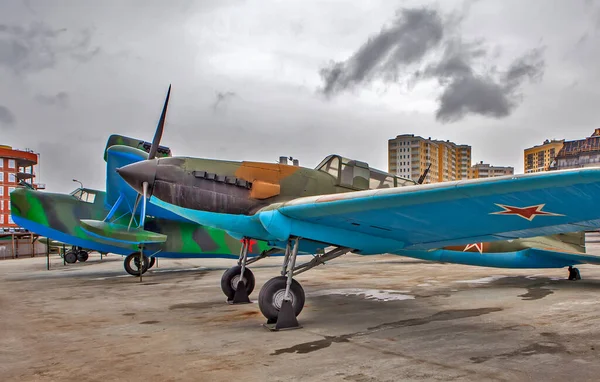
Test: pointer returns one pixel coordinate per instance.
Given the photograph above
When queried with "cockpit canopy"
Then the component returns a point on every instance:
(357, 175)
(84, 195)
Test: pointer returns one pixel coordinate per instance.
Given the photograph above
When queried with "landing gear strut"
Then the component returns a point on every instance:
(282, 298)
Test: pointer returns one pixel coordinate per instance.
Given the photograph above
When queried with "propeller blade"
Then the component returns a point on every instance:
(159, 128)
(144, 201)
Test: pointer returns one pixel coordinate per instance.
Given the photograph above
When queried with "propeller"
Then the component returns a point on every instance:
(143, 197)
(159, 128)
(424, 175)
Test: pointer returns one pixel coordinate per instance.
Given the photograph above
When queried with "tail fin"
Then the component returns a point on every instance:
(121, 140)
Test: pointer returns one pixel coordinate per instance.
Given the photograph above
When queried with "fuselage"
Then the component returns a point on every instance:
(58, 216)
(243, 188)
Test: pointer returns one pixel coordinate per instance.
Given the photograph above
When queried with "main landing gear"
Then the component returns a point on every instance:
(281, 299)
(132, 264)
(74, 254)
(231, 279)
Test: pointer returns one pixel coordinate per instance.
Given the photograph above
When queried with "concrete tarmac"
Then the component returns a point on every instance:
(366, 319)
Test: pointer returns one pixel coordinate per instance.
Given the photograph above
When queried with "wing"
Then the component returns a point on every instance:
(434, 216)
(119, 234)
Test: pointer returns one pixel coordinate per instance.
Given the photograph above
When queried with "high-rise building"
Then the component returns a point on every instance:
(409, 156)
(484, 170)
(15, 166)
(538, 158)
(580, 153)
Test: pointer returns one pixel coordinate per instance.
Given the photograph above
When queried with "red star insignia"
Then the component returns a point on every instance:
(527, 213)
(477, 246)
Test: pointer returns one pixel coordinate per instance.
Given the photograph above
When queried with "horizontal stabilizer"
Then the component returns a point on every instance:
(118, 233)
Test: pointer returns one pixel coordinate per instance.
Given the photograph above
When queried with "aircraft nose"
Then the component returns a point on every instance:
(136, 174)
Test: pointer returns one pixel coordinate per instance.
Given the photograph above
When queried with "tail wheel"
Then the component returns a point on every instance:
(231, 278)
(70, 257)
(272, 294)
(82, 256)
(132, 264)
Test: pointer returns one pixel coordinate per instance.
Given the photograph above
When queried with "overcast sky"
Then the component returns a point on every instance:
(258, 79)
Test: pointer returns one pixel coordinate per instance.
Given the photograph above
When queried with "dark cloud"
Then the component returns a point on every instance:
(485, 92)
(60, 99)
(413, 33)
(222, 98)
(7, 118)
(431, 45)
(38, 46)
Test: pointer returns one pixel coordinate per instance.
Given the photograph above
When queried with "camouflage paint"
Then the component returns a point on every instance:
(239, 188)
(57, 216)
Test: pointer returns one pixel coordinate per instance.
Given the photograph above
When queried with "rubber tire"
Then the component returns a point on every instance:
(135, 271)
(271, 288)
(152, 262)
(70, 257)
(228, 276)
(82, 256)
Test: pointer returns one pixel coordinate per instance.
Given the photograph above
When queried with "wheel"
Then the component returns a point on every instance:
(272, 293)
(82, 256)
(231, 278)
(132, 264)
(152, 262)
(70, 257)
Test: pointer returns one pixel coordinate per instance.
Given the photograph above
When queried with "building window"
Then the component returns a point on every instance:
(1, 219)
(10, 220)
(1, 177)
(11, 163)
(12, 178)
(1, 162)
(1, 191)
(10, 189)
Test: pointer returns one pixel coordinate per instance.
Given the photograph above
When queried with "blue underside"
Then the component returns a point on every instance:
(527, 258)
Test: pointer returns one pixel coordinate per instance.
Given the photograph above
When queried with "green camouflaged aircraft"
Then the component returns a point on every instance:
(74, 219)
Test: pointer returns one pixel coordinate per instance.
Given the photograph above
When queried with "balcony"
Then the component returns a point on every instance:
(24, 176)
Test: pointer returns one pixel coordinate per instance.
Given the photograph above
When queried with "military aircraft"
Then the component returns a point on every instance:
(347, 205)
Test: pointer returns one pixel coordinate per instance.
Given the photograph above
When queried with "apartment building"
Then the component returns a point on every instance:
(539, 158)
(15, 166)
(485, 170)
(579, 153)
(409, 156)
